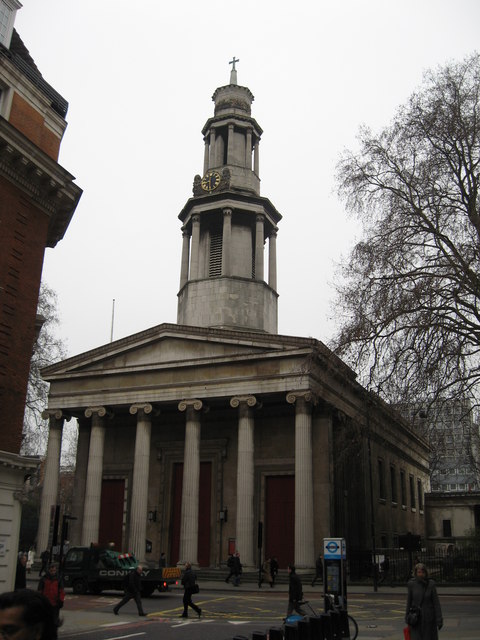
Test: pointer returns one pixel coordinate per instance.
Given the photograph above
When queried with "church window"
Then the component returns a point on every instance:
(403, 488)
(381, 480)
(393, 483)
(413, 503)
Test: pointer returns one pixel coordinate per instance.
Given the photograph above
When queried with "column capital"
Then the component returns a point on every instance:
(260, 217)
(227, 211)
(196, 217)
(307, 396)
(146, 407)
(185, 233)
(250, 401)
(100, 411)
(273, 232)
(194, 403)
(58, 414)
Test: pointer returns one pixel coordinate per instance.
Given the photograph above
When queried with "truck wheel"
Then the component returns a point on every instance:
(147, 590)
(96, 588)
(79, 587)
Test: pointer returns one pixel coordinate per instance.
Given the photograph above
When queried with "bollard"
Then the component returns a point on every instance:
(304, 629)
(317, 628)
(291, 631)
(275, 633)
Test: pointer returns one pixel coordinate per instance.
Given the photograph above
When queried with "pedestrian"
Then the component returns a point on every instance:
(163, 560)
(230, 563)
(295, 592)
(190, 586)
(30, 559)
(52, 588)
(318, 570)
(267, 572)
(28, 615)
(133, 588)
(274, 569)
(384, 570)
(21, 573)
(237, 569)
(45, 559)
(423, 598)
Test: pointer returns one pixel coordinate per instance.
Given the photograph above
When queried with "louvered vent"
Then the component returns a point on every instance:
(215, 266)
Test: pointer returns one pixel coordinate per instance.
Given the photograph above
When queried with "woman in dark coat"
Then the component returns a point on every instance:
(422, 593)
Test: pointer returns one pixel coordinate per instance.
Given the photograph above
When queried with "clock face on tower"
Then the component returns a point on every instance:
(210, 180)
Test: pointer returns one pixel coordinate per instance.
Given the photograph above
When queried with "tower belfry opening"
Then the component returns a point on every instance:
(224, 281)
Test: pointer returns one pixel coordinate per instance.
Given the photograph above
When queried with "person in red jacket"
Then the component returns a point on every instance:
(52, 588)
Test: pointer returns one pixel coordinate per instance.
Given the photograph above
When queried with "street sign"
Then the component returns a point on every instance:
(334, 549)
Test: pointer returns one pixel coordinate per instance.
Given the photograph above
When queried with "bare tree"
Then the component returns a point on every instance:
(409, 299)
(48, 349)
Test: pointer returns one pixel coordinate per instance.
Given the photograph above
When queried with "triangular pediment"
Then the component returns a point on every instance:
(169, 345)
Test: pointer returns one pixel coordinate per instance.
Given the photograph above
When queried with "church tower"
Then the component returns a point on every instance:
(226, 224)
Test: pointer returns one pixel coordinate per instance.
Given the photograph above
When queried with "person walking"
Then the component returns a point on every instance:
(266, 573)
(189, 582)
(318, 570)
(51, 587)
(230, 564)
(45, 559)
(295, 592)
(422, 595)
(133, 589)
(274, 569)
(237, 569)
(384, 570)
(21, 572)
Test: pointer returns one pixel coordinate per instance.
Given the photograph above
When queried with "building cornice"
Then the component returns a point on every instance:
(42, 179)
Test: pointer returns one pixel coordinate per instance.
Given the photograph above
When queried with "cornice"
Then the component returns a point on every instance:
(48, 185)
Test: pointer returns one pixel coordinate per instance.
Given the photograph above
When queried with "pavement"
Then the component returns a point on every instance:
(79, 617)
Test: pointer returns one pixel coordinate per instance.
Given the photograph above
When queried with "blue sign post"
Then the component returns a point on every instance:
(335, 571)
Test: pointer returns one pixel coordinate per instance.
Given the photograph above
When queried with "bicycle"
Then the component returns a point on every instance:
(349, 625)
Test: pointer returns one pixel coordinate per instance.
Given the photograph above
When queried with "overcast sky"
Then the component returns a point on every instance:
(139, 78)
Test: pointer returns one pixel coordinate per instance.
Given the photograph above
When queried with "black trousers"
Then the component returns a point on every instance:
(128, 596)
(187, 602)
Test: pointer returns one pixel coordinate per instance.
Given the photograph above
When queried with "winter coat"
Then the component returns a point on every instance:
(295, 589)
(266, 571)
(189, 579)
(52, 589)
(423, 594)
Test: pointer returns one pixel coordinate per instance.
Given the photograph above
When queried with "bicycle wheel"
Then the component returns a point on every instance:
(352, 627)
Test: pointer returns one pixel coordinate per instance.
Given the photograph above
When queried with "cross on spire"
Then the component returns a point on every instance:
(233, 72)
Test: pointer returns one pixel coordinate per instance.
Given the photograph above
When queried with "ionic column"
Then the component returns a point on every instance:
(304, 537)
(52, 469)
(226, 241)
(248, 149)
(213, 150)
(256, 158)
(230, 144)
(191, 481)
(272, 260)
(205, 156)
(78, 499)
(141, 467)
(259, 241)
(185, 256)
(195, 247)
(93, 489)
(245, 478)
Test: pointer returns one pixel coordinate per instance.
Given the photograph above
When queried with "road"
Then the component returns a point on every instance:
(227, 613)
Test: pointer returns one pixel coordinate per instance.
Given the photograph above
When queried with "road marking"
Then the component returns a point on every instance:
(131, 635)
(114, 624)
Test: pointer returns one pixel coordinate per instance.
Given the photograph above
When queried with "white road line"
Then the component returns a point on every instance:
(131, 635)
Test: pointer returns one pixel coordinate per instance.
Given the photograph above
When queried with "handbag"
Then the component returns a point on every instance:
(413, 616)
(406, 633)
(195, 588)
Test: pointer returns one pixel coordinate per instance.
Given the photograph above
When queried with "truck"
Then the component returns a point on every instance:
(93, 570)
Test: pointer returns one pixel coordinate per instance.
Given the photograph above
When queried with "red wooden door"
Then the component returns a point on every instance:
(204, 514)
(280, 519)
(111, 513)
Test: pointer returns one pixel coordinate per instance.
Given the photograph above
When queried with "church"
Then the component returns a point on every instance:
(217, 434)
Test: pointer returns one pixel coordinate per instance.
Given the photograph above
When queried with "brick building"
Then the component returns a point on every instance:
(37, 200)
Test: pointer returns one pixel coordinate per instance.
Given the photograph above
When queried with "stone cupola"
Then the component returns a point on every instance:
(226, 224)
